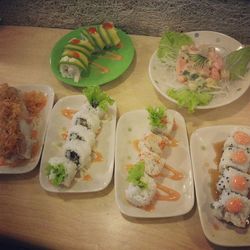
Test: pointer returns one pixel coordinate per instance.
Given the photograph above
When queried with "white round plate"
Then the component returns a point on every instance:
(163, 78)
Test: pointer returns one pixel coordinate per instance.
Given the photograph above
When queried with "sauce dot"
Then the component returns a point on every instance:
(239, 182)
(107, 25)
(75, 41)
(234, 205)
(241, 137)
(239, 157)
(92, 30)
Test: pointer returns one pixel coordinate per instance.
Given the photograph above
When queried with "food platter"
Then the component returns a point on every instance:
(114, 65)
(40, 124)
(164, 78)
(99, 174)
(203, 155)
(133, 125)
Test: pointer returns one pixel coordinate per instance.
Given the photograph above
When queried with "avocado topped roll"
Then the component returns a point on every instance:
(103, 33)
(96, 38)
(78, 55)
(112, 33)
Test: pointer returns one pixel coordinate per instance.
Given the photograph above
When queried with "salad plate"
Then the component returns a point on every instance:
(99, 174)
(203, 161)
(133, 126)
(40, 125)
(96, 74)
(164, 78)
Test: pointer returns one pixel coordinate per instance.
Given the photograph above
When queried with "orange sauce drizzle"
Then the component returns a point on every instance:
(112, 56)
(150, 207)
(135, 144)
(119, 45)
(68, 113)
(172, 195)
(64, 135)
(176, 174)
(87, 177)
(98, 157)
(103, 69)
(173, 141)
(129, 166)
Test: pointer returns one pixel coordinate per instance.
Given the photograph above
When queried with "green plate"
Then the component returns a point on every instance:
(116, 60)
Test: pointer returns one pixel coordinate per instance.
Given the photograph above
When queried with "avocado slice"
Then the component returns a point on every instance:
(77, 55)
(104, 36)
(83, 43)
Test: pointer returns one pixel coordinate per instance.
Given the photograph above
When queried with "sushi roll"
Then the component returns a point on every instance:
(235, 158)
(234, 180)
(240, 138)
(161, 120)
(111, 32)
(153, 162)
(86, 119)
(154, 143)
(77, 152)
(232, 208)
(142, 188)
(60, 171)
(71, 68)
(81, 133)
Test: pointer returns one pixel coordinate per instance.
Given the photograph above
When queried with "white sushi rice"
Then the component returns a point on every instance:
(92, 121)
(69, 167)
(225, 181)
(82, 132)
(153, 162)
(238, 219)
(141, 197)
(226, 160)
(81, 151)
(69, 70)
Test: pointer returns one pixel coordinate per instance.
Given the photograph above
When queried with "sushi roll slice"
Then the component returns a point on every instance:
(77, 152)
(78, 55)
(234, 180)
(60, 171)
(240, 138)
(71, 68)
(78, 48)
(142, 188)
(235, 158)
(105, 37)
(112, 33)
(153, 162)
(232, 208)
(87, 120)
(85, 43)
(93, 33)
(81, 133)
(161, 121)
(154, 143)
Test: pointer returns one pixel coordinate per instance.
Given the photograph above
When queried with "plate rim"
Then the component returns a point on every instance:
(201, 107)
(192, 199)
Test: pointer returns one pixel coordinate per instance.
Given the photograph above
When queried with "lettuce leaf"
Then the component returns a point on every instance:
(237, 62)
(170, 44)
(136, 173)
(156, 116)
(98, 98)
(58, 172)
(189, 99)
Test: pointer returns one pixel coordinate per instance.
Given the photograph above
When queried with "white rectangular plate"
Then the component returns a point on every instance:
(203, 154)
(41, 124)
(133, 125)
(100, 172)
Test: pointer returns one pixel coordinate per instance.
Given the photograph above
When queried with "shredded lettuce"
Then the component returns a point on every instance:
(189, 99)
(57, 172)
(237, 62)
(136, 173)
(156, 116)
(98, 98)
(170, 44)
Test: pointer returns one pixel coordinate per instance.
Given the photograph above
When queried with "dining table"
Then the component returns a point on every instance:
(32, 216)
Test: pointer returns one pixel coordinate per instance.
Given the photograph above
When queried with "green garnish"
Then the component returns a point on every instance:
(189, 99)
(98, 98)
(156, 116)
(170, 45)
(135, 175)
(237, 62)
(58, 172)
(199, 60)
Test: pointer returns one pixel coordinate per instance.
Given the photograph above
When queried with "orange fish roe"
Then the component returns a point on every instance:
(239, 182)
(234, 205)
(241, 137)
(239, 157)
